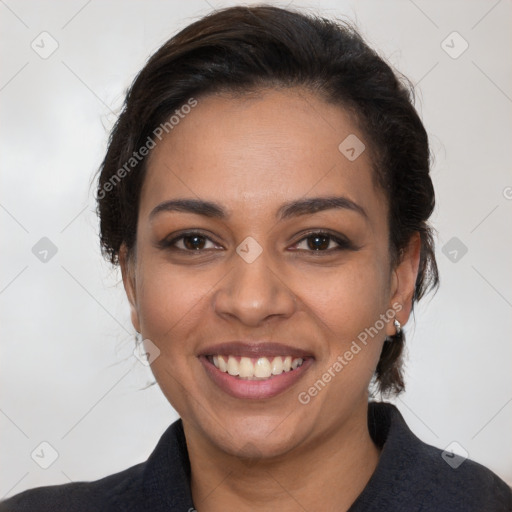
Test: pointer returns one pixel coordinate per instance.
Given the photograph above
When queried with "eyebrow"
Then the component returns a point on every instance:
(317, 204)
(287, 210)
(197, 206)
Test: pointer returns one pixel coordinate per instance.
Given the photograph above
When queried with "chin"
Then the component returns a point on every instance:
(258, 437)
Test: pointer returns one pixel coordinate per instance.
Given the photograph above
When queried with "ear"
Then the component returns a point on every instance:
(403, 282)
(128, 272)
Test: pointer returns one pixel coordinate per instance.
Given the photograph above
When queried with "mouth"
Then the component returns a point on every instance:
(255, 371)
(260, 368)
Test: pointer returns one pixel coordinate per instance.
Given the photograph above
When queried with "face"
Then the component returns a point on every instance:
(261, 262)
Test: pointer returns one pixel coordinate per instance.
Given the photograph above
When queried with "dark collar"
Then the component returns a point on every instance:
(166, 480)
(410, 474)
(167, 473)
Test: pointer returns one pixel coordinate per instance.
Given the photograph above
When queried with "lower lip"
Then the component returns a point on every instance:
(254, 389)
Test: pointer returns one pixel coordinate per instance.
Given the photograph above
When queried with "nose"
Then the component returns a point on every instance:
(252, 293)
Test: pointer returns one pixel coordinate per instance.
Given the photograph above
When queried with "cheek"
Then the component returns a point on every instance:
(170, 301)
(171, 305)
(348, 298)
(348, 305)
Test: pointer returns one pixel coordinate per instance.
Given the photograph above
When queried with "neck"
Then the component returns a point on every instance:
(332, 471)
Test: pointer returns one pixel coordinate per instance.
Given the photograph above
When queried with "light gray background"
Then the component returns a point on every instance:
(68, 376)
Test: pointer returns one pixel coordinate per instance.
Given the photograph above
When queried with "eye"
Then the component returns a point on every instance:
(191, 242)
(321, 242)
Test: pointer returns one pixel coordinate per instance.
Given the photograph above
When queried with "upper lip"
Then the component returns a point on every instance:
(254, 349)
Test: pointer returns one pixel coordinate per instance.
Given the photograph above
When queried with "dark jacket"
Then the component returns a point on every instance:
(410, 476)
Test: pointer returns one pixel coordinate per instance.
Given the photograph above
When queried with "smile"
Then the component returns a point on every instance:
(255, 378)
(260, 368)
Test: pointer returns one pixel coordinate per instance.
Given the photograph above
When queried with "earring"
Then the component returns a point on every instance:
(398, 328)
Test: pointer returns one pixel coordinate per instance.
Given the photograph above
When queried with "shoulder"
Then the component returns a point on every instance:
(456, 483)
(412, 475)
(160, 483)
(96, 496)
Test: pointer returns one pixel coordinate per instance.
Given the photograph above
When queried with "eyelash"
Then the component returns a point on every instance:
(343, 244)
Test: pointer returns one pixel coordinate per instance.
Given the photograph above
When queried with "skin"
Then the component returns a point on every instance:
(251, 155)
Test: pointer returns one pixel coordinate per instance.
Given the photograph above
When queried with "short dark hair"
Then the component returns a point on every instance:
(242, 49)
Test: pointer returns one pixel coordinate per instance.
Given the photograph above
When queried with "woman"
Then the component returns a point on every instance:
(266, 193)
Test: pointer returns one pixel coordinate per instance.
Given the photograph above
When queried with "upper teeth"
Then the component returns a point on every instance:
(262, 367)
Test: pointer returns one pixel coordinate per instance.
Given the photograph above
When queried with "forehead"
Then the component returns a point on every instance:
(261, 150)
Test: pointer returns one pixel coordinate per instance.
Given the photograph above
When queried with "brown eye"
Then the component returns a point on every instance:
(321, 242)
(194, 242)
(189, 242)
(318, 242)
